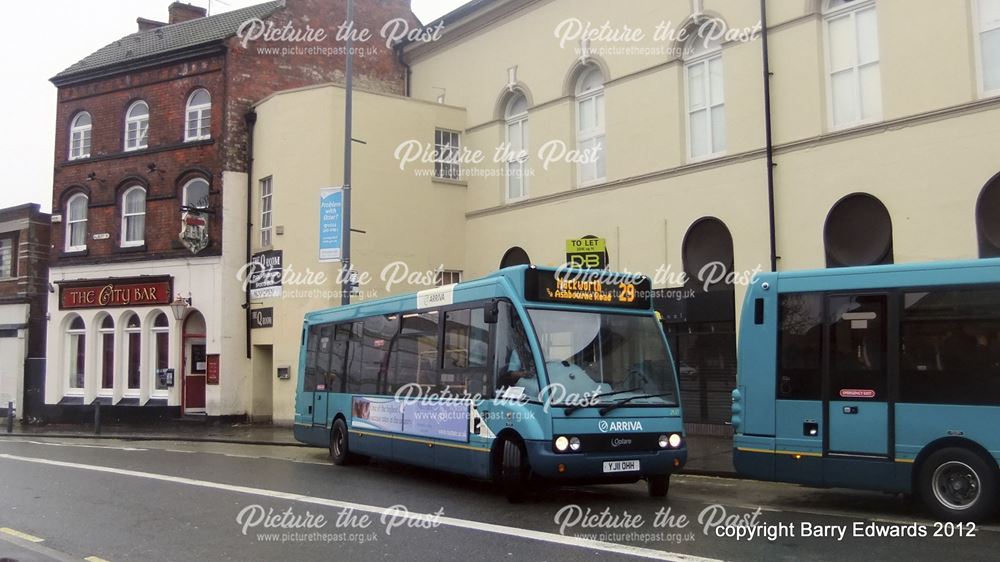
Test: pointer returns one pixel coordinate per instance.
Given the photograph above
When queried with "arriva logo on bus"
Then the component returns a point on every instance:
(606, 426)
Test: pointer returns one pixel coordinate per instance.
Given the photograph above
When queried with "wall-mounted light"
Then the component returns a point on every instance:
(151, 167)
(180, 306)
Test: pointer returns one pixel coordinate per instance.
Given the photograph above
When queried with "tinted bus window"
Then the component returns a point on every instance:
(338, 359)
(466, 339)
(950, 349)
(801, 346)
(415, 354)
(857, 346)
(312, 343)
(515, 366)
(379, 334)
(466, 351)
(322, 371)
(354, 356)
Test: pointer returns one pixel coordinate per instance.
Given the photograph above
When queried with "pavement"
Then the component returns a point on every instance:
(708, 455)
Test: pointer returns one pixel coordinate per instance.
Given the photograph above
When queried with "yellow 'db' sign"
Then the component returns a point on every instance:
(588, 253)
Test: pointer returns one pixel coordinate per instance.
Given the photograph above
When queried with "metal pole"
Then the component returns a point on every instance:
(10, 417)
(768, 141)
(345, 297)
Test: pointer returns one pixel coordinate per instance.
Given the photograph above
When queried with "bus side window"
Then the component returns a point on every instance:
(338, 359)
(800, 358)
(321, 379)
(950, 347)
(379, 334)
(466, 346)
(354, 356)
(515, 365)
(312, 343)
(415, 354)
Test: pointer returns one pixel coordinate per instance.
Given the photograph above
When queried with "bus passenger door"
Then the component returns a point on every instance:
(857, 376)
(324, 352)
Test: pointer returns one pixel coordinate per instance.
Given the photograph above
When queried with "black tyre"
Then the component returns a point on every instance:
(658, 485)
(339, 451)
(513, 472)
(958, 485)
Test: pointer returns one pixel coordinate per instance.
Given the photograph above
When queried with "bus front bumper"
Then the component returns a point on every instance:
(579, 467)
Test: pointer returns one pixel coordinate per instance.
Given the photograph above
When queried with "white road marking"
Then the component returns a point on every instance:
(50, 444)
(422, 517)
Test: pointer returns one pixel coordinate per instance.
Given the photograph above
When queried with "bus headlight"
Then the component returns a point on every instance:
(663, 441)
(574, 443)
(562, 443)
(675, 440)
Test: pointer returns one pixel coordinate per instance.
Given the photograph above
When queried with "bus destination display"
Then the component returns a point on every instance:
(588, 287)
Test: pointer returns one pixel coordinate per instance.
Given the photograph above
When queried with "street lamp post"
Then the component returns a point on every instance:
(347, 281)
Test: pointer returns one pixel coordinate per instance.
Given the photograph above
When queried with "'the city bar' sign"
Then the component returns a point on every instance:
(109, 293)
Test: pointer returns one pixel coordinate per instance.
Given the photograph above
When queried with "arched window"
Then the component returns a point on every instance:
(848, 243)
(106, 341)
(706, 107)
(516, 117)
(133, 354)
(852, 57)
(196, 194)
(988, 219)
(590, 125)
(987, 14)
(134, 216)
(76, 223)
(161, 353)
(76, 353)
(198, 125)
(707, 253)
(137, 126)
(79, 136)
(515, 256)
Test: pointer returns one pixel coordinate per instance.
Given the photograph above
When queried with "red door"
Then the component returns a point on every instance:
(195, 370)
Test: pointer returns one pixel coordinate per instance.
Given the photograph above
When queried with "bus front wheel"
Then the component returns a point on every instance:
(339, 451)
(513, 471)
(658, 485)
(958, 485)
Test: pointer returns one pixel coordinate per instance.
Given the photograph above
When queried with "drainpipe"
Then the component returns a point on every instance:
(251, 120)
(406, 70)
(768, 143)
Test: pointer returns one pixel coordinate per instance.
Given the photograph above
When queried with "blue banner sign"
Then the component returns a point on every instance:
(331, 224)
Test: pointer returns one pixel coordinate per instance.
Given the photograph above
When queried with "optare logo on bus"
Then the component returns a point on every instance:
(606, 426)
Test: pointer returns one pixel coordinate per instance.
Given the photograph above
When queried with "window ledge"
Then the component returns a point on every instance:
(138, 248)
(74, 253)
(448, 181)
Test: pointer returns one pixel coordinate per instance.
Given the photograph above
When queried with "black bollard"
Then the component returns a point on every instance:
(10, 417)
(97, 417)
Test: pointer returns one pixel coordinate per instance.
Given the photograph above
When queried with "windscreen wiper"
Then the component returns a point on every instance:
(621, 403)
(574, 407)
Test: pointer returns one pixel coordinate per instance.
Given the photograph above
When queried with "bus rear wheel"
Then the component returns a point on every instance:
(658, 485)
(339, 451)
(513, 472)
(958, 485)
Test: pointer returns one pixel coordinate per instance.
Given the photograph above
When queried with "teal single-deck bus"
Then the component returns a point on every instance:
(882, 377)
(529, 374)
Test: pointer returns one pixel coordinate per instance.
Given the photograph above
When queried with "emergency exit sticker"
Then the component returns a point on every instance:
(857, 393)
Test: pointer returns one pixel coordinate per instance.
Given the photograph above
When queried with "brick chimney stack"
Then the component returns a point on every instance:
(183, 12)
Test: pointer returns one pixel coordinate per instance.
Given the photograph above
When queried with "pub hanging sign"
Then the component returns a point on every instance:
(112, 293)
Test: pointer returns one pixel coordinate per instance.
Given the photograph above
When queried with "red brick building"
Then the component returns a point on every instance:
(150, 195)
(24, 258)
